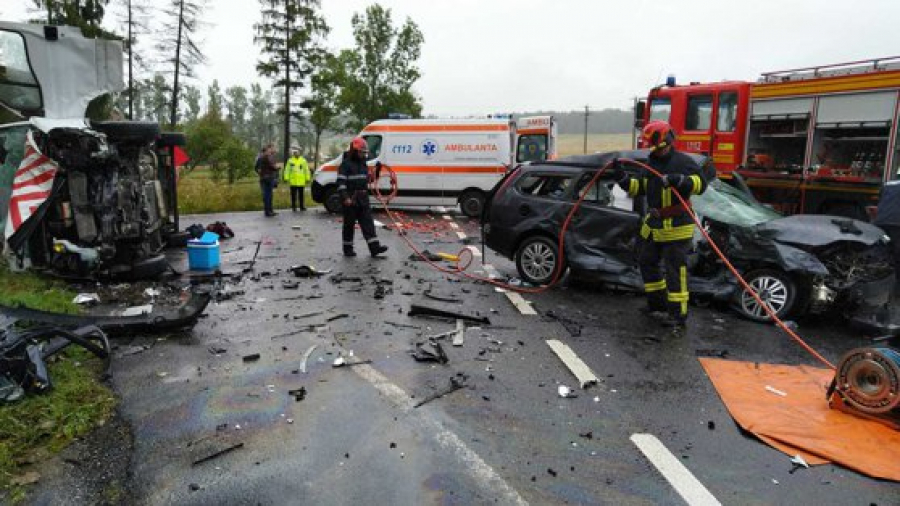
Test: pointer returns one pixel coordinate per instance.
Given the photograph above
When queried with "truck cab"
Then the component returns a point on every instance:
(78, 198)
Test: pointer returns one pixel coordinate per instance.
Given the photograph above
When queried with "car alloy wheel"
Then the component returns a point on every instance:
(775, 288)
(537, 260)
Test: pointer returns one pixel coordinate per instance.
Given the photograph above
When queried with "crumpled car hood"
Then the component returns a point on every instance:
(820, 230)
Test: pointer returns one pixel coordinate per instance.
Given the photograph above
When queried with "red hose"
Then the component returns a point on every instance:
(459, 268)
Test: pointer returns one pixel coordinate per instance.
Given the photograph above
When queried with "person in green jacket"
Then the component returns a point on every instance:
(296, 174)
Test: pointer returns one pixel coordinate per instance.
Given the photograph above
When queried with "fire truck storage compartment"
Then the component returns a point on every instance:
(852, 135)
(777, 134)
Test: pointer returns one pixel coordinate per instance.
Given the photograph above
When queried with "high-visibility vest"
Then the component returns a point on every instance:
(296, 171)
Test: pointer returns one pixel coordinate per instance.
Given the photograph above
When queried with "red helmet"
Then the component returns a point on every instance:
(658, 134)
(359, 144)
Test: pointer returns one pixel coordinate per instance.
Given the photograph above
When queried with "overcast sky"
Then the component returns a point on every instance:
(488, 56)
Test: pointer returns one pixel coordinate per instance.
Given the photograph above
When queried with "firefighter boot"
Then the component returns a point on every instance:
(348, 251)
(376, 248)
(656, 305)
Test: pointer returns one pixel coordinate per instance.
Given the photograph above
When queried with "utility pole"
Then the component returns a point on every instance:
(587, 112)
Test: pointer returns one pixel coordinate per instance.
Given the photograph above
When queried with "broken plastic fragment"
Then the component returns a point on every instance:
(775, 391)
(86, 298)
(800, 461)
(566, 392)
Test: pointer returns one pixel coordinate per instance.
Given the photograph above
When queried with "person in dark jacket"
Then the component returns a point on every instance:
(353, 186)
(268, 177)
(667, 228)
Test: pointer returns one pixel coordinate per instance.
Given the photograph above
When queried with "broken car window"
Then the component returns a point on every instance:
(726, 204)
(18, 86)
(599, 193)
(554, 186)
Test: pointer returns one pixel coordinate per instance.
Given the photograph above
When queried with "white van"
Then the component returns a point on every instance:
(445, 162)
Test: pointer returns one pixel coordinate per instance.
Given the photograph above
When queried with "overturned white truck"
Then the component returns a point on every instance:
(78, 198)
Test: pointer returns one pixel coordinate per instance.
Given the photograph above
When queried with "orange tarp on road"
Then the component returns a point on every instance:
(801, 421)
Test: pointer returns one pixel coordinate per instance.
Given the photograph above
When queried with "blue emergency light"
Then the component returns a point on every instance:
(670, 81)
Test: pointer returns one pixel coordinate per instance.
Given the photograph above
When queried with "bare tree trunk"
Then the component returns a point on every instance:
(130, 65)
(316, 155)
(287, 85)
(173, 116)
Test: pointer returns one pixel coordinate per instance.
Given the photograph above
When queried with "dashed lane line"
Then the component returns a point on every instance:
(469, 461)
(688, 487)
(521, 304)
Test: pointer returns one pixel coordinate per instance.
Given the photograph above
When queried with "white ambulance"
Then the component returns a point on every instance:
(442, 162)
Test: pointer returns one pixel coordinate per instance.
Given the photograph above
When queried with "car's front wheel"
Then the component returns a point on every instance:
(775, 288)
(537, 259)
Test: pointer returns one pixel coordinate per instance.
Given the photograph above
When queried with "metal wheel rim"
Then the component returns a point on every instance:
(538, 261)
(772, 290)
(869, 379)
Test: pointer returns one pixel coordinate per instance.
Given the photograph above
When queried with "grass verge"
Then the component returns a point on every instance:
(40, 425)
(199, 194)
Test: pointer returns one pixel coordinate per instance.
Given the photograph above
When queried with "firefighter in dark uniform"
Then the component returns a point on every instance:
(667, 229)
(353, 180)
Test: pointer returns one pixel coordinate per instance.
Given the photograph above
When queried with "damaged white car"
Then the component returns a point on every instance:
(78, 198)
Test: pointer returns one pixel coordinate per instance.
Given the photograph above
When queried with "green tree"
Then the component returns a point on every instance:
(377, 76)
(179, 45)
(237, 104)
(261, 118)
(214, 100)
(156, 101)
(192, 99)
(290, 35)
(212, 144)
(322, 102)
(85, 14)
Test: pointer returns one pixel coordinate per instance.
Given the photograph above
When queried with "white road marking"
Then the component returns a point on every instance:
(440, 209)
(462, 235)
(521, 304)
(454, 226)
(470, 461)
(491, 271)
(581, 371)
(688, 487)
(447, 217)
(475, 251)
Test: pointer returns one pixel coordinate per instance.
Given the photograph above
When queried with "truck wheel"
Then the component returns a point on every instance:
(775, 288)
(471, 203)
(332, 200)
(537, 260)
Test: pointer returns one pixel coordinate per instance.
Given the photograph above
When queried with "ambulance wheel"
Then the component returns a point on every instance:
(471, 203)
(775, 288)
(537, 259)
(332, 200)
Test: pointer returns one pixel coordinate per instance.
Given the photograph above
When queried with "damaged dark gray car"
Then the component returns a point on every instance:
(798, 264)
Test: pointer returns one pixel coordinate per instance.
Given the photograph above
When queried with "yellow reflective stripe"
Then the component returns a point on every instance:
(684, 308)
(679, 233)
(678, 297)
(655, 286)
(644, 184)
(634, 186)
(666, 197)
(645, 229)
(667, 223)
(698, 184)
(683, 277)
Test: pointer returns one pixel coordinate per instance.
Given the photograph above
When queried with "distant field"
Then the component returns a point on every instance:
(573, 144)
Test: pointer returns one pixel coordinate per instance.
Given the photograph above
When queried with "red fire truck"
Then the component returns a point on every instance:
(810, 140)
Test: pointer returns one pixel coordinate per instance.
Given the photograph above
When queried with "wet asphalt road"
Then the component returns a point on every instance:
(508, 437)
